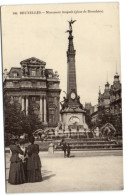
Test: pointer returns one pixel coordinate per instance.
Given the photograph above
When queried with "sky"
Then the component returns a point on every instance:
(96, 41)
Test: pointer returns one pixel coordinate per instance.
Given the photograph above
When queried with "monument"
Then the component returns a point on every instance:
(72, 112)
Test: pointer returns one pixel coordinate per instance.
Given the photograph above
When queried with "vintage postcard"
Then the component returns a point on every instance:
(62, 97)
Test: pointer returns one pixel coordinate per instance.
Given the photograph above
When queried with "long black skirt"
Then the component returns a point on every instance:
(16, 173)
(34, 175)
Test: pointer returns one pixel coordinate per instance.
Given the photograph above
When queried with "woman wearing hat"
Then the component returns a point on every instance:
(16, 173)
(33, 162)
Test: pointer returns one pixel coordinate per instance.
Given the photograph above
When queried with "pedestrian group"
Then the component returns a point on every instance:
(25, 163)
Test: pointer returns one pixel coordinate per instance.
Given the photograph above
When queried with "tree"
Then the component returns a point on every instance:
(12, 117)
(15, 120)
(104, 118)
(115, 120)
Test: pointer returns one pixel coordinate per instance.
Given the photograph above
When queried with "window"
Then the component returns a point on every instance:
(33, 98)
(33, 73)
(15, 74)
(50, 99)
(51, 118)
(16, 98)
(50, 75)
(51, 115)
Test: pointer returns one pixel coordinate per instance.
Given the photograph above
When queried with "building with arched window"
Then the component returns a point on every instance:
(34, 85)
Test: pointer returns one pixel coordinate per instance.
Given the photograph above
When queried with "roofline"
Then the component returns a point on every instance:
(31, 58)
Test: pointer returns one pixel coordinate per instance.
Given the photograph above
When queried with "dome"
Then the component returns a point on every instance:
(116, 75)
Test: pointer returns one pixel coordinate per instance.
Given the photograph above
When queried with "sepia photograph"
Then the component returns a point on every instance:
(62, 97)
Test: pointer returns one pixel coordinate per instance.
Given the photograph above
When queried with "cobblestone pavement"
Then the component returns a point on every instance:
(79, 173)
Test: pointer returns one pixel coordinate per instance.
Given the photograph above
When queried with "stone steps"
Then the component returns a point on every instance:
(91, 149)
(99, 146)
(76, 139)
(92, 144)
(83, 143)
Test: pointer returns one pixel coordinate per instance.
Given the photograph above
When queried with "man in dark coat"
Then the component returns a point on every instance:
(64, 147)
(68, 150)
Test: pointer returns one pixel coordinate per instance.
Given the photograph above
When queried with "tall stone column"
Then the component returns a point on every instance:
(41, 108)
(45, 111)
(26, 105)
(71, 72)
(23, 107)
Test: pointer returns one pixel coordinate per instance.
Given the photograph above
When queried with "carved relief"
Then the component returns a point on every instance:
(33, 61)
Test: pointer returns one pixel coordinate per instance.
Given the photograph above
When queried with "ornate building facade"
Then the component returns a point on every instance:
(110, 100)
(110, 104)
(115, 96)
(34, 85)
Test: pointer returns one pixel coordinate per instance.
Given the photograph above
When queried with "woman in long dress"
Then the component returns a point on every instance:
(33, 162)
(16, 172)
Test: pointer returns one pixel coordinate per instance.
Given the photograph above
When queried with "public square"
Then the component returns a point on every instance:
(63, 106)
(83, 171)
